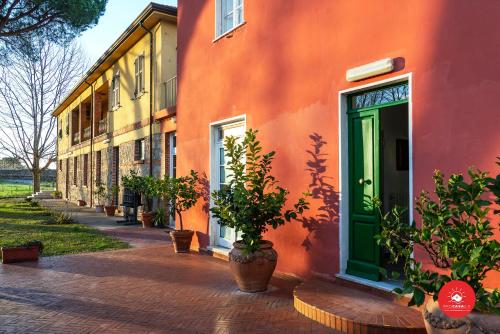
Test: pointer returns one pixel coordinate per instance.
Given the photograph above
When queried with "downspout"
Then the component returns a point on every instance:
(150, 98)
(91, 142)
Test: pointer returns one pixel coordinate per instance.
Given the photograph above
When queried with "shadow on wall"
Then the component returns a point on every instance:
(323, 226)
(204, 184)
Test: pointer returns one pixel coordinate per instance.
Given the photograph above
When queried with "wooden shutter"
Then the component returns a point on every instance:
(137, 150)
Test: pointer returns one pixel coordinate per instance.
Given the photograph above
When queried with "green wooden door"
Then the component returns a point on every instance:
(364, 184)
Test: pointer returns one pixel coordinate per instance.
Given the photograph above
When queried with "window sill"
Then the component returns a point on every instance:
(229, 32)
(116, 107)
(138, 162)
(138, 96)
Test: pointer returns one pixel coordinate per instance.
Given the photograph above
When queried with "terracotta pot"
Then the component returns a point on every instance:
(475, 323)
(99, 208)
(81, 202)
(147, 219)
(253, 271)
(182, 240)
(110, 210)
(20, 254)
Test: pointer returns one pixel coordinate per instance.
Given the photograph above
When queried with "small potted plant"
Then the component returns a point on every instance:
(250, 202)
(182, 194)
(456, 235)
(110, 206)
(28, 251)
(100, 194)
(148, 188)
(81, 202)
(57, 194)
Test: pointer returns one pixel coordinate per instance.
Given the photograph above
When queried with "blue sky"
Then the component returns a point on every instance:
(118, 16)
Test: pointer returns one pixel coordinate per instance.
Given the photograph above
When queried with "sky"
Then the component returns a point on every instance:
(118, 16)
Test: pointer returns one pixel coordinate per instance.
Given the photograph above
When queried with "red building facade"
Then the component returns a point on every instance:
(280, 67)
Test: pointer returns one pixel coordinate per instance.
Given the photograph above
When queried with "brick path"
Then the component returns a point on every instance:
(147, 289)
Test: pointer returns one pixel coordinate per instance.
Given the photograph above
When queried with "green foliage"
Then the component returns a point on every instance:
(34, 243)
(181, 192)
(147, 186)
(252, 200)
(57, 194)
(59, 20)
(456, 234)
(100, 193)
(160, 219)
(61, 218)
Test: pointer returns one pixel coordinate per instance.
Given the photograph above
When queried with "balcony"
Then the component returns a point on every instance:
(86, 133)
(102, 126)
(169, 93)
(76, 138)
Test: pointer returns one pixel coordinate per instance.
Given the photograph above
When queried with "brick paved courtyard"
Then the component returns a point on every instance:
(147, 289)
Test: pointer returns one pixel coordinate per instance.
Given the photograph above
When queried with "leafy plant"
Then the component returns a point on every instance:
(57, 194)
(147, 186)
(34, 243)
(111, 194)
(160, 217)
(100, 193)
(455, 232)
(181, 192)
(252, 200)
(62, 218)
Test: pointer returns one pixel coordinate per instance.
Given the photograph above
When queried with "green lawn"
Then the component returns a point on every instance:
(19, 223)
(11, 188)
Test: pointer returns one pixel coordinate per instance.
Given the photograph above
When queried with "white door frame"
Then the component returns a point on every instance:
(213, 170)
(344, 160)
(171, 151)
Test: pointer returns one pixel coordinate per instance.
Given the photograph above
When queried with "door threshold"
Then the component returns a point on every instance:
(219, 252)
(387, 286)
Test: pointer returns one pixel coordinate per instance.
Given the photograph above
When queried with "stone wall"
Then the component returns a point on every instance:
(126, 164)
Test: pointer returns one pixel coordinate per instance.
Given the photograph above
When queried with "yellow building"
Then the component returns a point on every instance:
(106, 124)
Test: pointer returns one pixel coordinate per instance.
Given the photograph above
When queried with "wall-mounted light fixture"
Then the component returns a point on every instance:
(370, 70)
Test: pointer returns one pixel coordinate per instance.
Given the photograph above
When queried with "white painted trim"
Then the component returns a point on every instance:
(219, 250)
(344, 160)
(388, 286)
(212, 229)
(218, 20)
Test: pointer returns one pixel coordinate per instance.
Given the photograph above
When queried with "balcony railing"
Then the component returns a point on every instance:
(102, 126)
(86, 133)
(76, 138)
(169, 93)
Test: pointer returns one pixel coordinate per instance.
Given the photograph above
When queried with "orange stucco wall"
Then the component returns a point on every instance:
(284, 67)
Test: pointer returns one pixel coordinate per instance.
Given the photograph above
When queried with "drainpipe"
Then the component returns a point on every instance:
(91, 142)
(150, 98)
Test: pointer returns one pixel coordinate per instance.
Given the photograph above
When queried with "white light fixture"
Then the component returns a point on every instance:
(106, 141)
(370, 70)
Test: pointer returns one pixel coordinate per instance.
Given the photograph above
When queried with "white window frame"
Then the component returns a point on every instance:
(142, 155)
(139, 75)
(115, 91)
(219, 17)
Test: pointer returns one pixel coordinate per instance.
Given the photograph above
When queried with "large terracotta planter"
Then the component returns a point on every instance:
(20, 254)
(147, 219)
(81, 202)
(110, 210)
(99, 208)
(253, 271)
(475, 323)
(182, 240)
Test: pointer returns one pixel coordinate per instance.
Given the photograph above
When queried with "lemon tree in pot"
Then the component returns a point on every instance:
(251, 202)
(182, 194)
(100, 194)
(456, 235)
(148, 188)
(110, 207)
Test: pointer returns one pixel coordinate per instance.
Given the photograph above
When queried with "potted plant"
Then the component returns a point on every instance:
(29, 251)
(456, 235)
(148, 188)
(57, 194)
(110, 206)
(250, 203)
(100, 194)
(182, 194)
(81, 202)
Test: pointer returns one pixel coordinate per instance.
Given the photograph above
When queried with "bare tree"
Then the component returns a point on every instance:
(37, 76)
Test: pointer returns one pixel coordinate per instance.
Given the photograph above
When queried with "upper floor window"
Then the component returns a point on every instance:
(229, 14)
(140, 150)
(139, 75)
(115, 90)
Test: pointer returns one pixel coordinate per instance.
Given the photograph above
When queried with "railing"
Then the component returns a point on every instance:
(86, 133)
(102, 126)
(169, 93)
(76, 138)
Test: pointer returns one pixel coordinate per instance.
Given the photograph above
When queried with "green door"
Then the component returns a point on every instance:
(364, 184)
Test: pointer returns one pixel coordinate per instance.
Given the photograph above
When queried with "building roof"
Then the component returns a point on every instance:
(152, 14)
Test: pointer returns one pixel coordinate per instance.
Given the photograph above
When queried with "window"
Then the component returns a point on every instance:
(380, 96)
(139, 75)
(75, 169)
(173, 152)
(140, 149)
(115, 91)
(85, 169)
(98, 167)
(229, 14)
